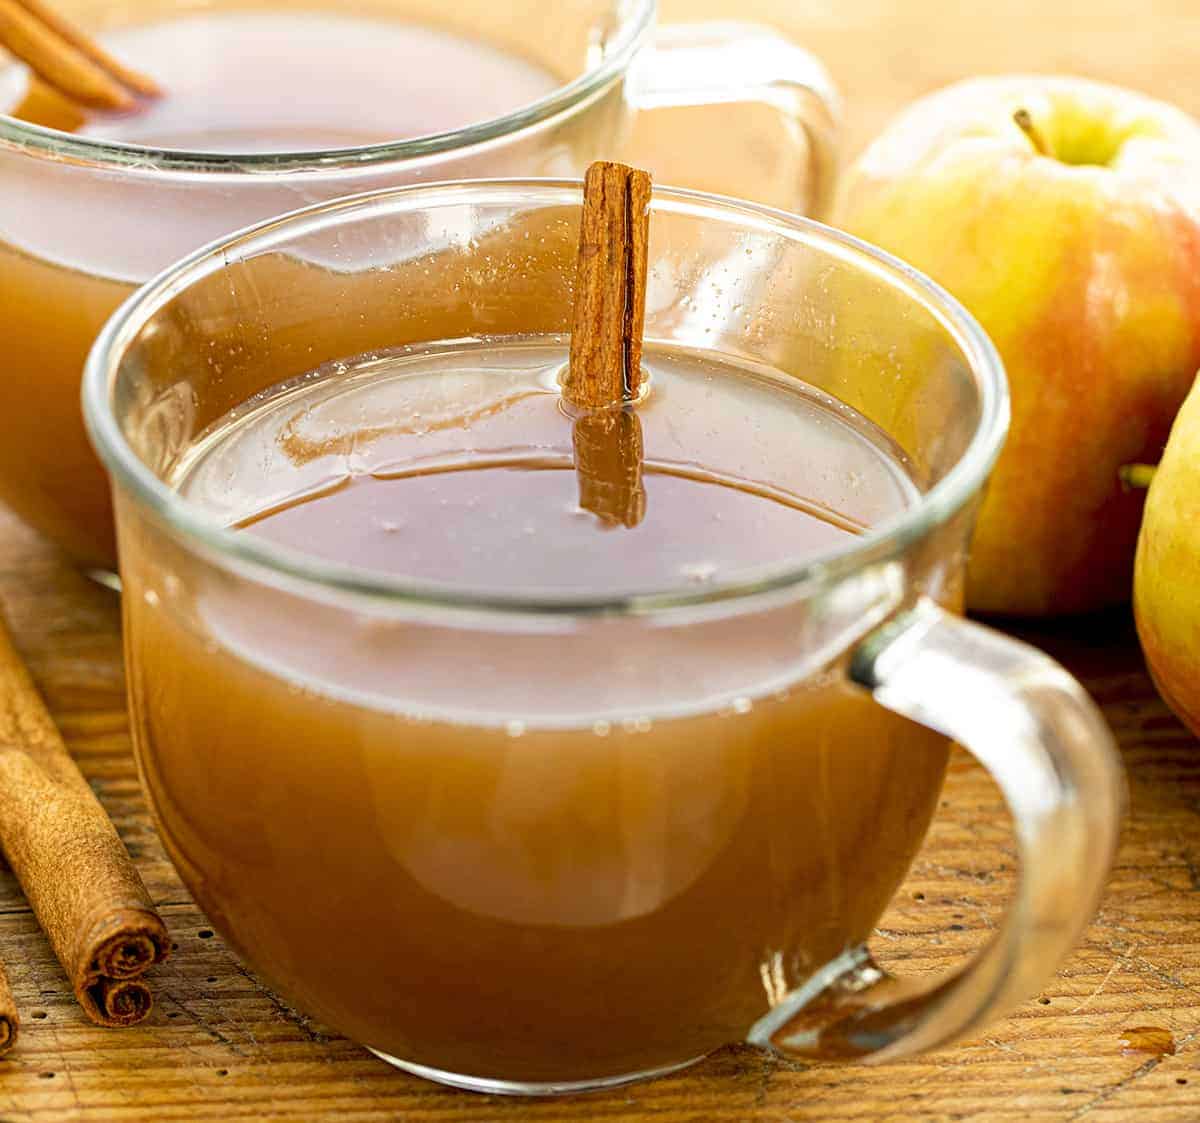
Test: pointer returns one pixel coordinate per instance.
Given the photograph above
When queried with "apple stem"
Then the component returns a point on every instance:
(1136, 477)
(1024, 121)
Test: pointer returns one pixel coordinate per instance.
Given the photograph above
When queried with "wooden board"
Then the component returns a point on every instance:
(221, 1046)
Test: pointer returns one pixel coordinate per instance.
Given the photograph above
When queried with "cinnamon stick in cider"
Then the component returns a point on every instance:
(69, 61)
(604, 373)
(72, 865)
(57, 62)
(133, 80)
(610, 288)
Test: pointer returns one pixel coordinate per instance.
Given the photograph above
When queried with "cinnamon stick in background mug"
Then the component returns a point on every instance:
(72, 865)
(69, 61)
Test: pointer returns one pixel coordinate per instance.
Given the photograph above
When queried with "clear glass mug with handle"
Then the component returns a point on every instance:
(371, 785)
(83, 222)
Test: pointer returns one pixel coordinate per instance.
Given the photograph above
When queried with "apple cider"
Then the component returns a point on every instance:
(538, 853)
(240, 81)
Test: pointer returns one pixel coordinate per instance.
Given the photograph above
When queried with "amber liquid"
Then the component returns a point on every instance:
(562, 853)
(257, 81)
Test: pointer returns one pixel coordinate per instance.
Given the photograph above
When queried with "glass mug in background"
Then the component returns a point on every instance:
(424, 812)
(84, 221)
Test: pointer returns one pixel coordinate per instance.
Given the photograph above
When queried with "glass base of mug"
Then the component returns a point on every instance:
(519, 1088)
(104, 577)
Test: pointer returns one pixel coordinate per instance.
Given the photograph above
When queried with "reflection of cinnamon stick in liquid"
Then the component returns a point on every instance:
(608, 462)
(604, 374)
(44, 105)
(69, 860)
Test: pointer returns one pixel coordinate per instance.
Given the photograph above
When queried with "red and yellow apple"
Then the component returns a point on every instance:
(1065, 214)
(1166, 591)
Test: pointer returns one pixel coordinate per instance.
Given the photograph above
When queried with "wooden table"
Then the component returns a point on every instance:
(221, 1046)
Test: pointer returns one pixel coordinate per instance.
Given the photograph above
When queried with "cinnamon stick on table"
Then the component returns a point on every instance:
(604, 373)
(72, 866)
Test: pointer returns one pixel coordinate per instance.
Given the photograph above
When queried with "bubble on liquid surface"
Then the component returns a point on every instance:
(699, 573)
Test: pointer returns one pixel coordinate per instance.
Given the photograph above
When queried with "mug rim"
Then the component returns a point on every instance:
(881, 543)
(39, 140)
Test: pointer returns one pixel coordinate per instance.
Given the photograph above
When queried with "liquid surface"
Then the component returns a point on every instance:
(458, 468)
(284, 81)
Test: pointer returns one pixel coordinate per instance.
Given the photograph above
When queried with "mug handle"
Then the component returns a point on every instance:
(722, 63)
(1033, 727)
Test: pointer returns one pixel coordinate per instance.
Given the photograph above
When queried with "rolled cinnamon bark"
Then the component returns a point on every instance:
(604, 374)
(605, 367)
(72, 866)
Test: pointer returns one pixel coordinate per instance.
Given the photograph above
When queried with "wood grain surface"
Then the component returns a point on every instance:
(221, 1046)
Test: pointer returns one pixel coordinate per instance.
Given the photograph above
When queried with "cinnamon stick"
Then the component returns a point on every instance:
(133, 80)
(9, 1022)
(610, 288)
(72, 866)
(65, 58)
(58, 63)
(604, 373)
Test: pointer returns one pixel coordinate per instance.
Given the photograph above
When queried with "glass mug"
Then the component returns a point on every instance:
(366, 855)
(83, 222)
